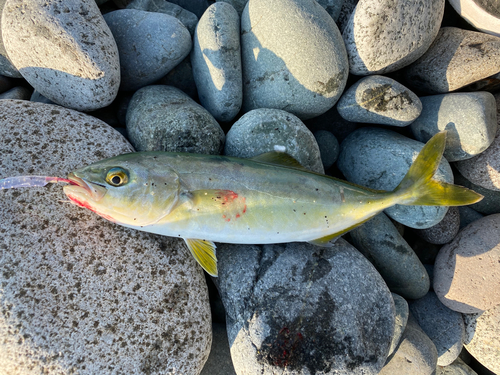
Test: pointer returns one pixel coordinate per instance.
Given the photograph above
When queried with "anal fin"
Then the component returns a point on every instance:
(204, 253)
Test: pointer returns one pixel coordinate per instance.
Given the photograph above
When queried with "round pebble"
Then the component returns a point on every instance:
(163, 118)
(145, 59)
(216, 61)
(386, 35)
(379, 100)
(328, 146)
(444, 231)
(64, 50)
(275, 72)
(264, 130)
(467, 270)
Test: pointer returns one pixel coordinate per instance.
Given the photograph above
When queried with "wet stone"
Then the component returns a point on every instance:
(444, 231)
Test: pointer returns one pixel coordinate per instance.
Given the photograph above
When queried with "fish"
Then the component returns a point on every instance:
(266, 199)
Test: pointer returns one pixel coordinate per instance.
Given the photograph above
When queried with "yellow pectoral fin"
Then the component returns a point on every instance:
(204, 253)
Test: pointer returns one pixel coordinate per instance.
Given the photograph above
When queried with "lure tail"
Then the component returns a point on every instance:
(418, 187)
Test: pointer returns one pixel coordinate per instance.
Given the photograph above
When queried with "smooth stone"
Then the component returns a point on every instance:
(80, 294)
(216, 61)
(455, 59)
(163, 118)
(402, 313)
(468, 215)
(37, 97)
(188, 19)
(444, 327)
(6, 67)
(379, 159)
(301, 309)
(384, 36)
(415, 355)
(490, 204)
(219, 360)
(458, 367)
(198, 7)
(329, 147)
(469, 119)
(144, 59)
(379, 100)
(484, 169)
(64, 50)
(182, 77)
(380, 242)
(483, 337)
(483, 15)
(19, 92)
(444, 231)
(264, 130)
(238, 5)
(467, 270)
(275, 72)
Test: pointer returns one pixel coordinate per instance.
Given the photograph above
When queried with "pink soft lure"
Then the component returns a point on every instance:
(30, 181)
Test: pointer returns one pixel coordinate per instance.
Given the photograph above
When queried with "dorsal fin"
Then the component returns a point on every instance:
(279, 158)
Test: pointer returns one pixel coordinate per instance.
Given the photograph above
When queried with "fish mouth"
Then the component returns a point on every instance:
(89, 190)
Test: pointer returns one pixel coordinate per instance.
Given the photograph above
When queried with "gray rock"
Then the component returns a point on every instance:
(219, 362)
(346, 10)
(275, 72)
(263, 130)
(197, 7)
(467, 270)
(468, 215)
(458, 367)
(64, 50)
(455, 59)
(381, 243)
(384, 36)
(379, 159)
(163, 118)
(37, 97)
(80, 294)
(182, 77)
(328, 146)
(6, 83)
(334, 123)
(490, 204)
(19, 92)
(483, 15)
(144, 59)
(6, 67)
(333, 7)
(238, 5)
(444, 327)
(379, 100)
(415, 355)
(468, 117)
(188, 19)
(299, 309)
(402, 313)
(444, 231)
(482, 337)
(216, 61)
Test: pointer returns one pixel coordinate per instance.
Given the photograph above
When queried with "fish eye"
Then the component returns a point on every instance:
(117, 177)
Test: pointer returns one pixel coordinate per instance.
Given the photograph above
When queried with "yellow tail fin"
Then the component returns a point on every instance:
(418, 187)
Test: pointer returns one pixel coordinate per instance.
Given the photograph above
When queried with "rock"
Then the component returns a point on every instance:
(80, 294)
(144, 59)
(415, 355)
(455, 59)
(483, 15)
(219, 361)
(379, 159)
(384, 36)
(482, 337)
(346, 11)
(275, 74)
(468, 215)
(163, 118)
(6, 67)
(444, 231)
(188, 19)
(458, 367)
(379, 100)
(182, 77)
(490, 204)
(197, 7)
(334, 123)
(333, 7)
(379, 241)
(263, 130)
(37, 97)
(328, 146)
(402, 313)
(6, 83)
(64, 50)
(469, 118)
(238, 5)
(484, 169)
(216, 61)
(467, 270)
(444, 327)
(304, 309)
(19, 92)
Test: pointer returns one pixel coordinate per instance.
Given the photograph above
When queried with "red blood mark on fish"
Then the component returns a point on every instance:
(85, 204)
(234, 205)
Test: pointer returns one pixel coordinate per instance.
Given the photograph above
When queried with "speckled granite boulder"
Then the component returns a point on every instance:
(444, 231)
(216, 61)
(64, 50)
(470, 119)
(275, 72)
(379, 159)
(467, 270)
(163, 118)
(380, 242)
(402, 313)
(379, 100)
(444, 327)
(79, 294)
(483, 337)
(144, 59)
(455, 59)
(384, 36)
(300, 309)
(263, 130)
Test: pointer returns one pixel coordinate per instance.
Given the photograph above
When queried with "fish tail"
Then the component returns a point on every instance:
(418, 187)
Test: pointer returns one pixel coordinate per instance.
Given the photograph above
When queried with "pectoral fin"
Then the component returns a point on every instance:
(204, 253)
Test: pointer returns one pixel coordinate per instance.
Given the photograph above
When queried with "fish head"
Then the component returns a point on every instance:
(129, 189)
